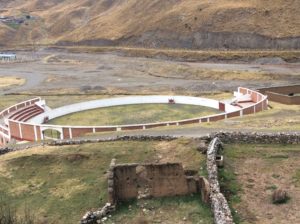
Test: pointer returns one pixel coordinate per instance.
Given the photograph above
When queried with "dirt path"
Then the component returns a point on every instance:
(81, 72)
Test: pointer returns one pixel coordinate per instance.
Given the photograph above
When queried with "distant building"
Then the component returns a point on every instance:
(8, 56)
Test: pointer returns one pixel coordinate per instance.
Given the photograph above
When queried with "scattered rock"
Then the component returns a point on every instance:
(280, 196)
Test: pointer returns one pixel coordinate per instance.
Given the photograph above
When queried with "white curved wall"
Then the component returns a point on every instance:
(34, 131)
(73, 108)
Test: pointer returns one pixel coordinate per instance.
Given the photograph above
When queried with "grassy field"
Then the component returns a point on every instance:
(8, 81)
(252, 173)
(134, 114)
(280, 117)
(59, 184)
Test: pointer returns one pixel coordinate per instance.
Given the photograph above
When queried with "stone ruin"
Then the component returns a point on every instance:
(141, 181)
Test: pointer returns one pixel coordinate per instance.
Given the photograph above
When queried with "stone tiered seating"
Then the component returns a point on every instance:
(26, 113)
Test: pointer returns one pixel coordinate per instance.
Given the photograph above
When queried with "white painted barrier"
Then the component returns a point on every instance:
(120, 101)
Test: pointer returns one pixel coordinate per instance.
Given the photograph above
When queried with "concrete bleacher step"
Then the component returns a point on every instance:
(31, 114)
(24, 112)
(21, 111)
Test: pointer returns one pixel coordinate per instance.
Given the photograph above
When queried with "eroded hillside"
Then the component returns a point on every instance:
(155, 23)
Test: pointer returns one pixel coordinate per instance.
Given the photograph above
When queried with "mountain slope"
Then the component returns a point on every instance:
(168, 23)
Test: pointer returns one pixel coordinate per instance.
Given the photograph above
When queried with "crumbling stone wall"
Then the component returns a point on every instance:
(128, 181)
(219, 204)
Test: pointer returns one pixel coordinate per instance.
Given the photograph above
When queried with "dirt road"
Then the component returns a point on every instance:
(57, 70)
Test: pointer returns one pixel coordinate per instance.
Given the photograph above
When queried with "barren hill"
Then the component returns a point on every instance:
(156, 23)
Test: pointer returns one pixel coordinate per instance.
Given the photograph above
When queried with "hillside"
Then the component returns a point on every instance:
(155, 23)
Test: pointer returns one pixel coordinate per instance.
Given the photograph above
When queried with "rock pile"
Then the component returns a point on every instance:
(98, 216)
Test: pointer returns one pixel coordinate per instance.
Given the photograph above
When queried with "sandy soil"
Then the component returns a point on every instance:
(111, 73)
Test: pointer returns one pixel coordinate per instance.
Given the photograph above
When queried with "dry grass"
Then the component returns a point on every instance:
(192, 55)
(54, 59)
(87, 20)
(59, 184)
(280, 118)
(134, 114)
(8, 81)
(259, 170)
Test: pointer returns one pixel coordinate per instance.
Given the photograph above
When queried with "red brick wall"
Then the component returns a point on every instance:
(189, 122)
(254, 97)
(243, 90)
(155, 125)
(249, 110)
(233, 114)
(77, 132)
(28, 132)
(203, 120)
(217, 117)
(137, 127)
(66, 133)
(221, 106)
(258, 107)
(38, 132)
(14, 129)
(105, 129)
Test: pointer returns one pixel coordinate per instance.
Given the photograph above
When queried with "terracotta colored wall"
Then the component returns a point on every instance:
(217, 118)
(155, 125)
(254, 97)
(189, 122)
(249, 110)
(221, 106)
(105, 129)
(233, 114)
(243, 90)
(204, 120)
(66, 133)
(38, 132)
(14, 129)
(137, 127)
(258, 107)
(77, 132)
(28, 132)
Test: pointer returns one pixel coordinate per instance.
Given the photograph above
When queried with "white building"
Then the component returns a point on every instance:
(8, 56)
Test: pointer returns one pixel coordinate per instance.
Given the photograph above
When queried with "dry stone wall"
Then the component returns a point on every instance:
(225, 137)
(258, 138)
(219, 205)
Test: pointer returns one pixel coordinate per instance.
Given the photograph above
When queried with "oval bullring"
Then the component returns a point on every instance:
(28, 120)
